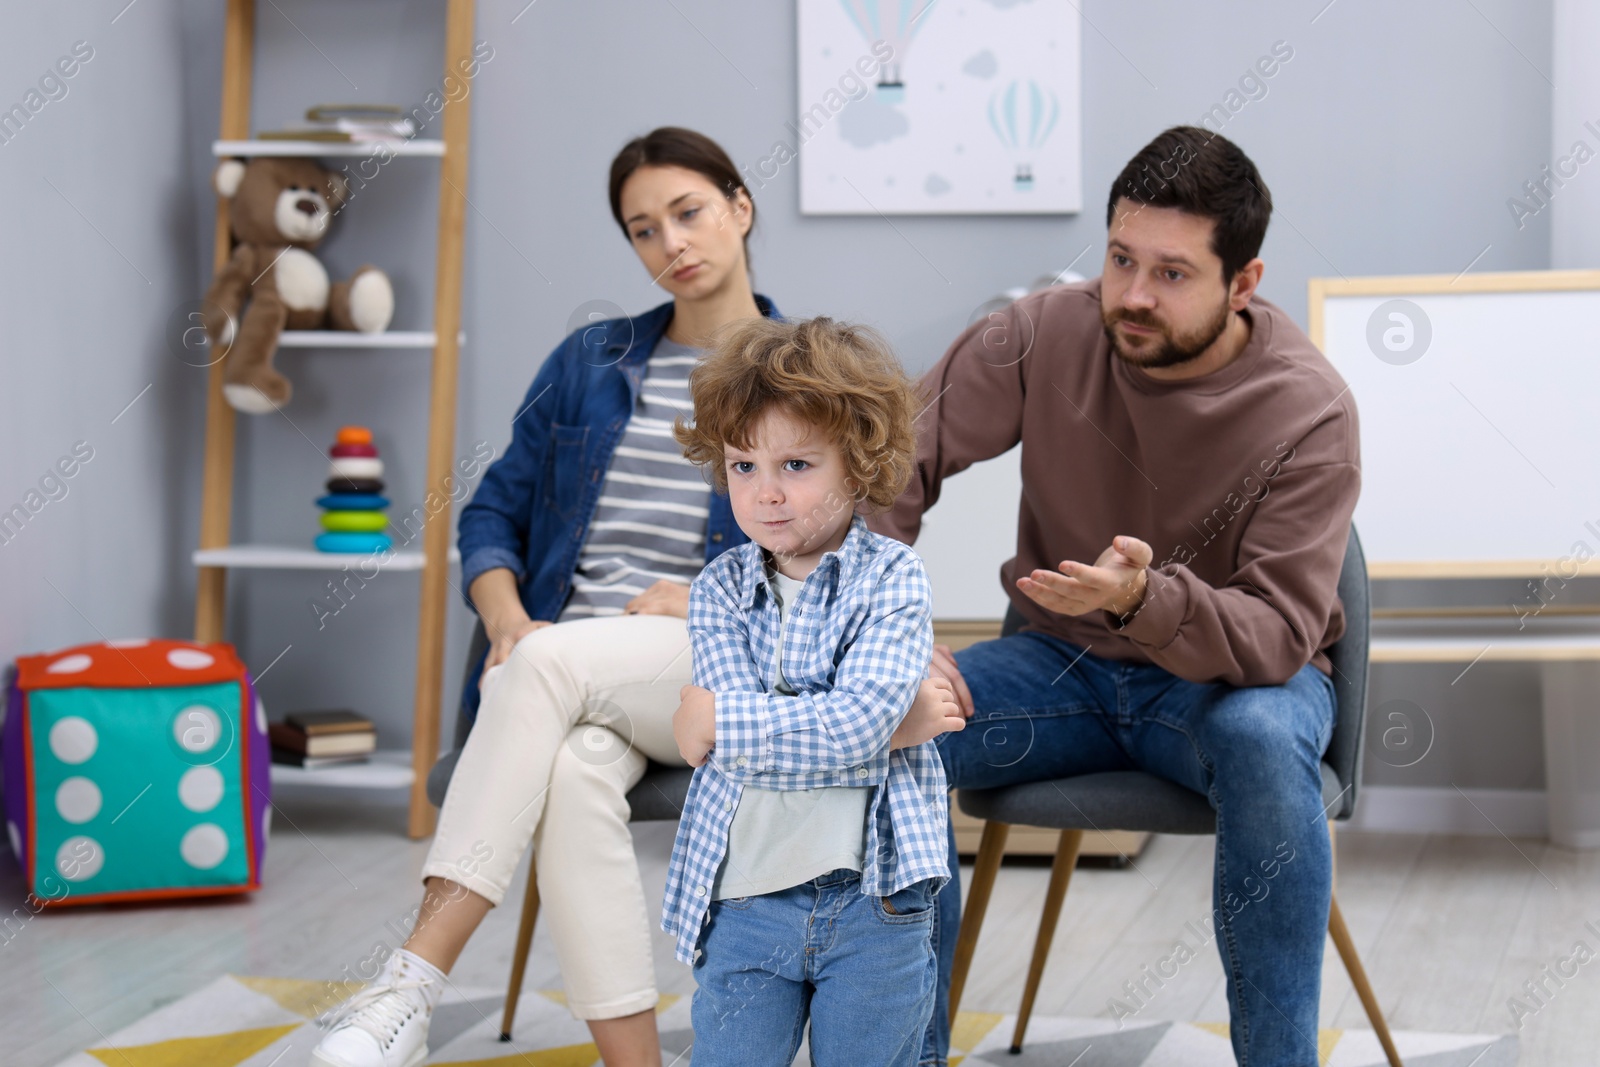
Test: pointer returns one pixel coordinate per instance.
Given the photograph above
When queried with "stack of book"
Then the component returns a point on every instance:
(313, 739)
(361, 123)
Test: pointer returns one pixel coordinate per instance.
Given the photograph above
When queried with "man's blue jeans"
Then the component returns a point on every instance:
(861, 968)
(1044, 708)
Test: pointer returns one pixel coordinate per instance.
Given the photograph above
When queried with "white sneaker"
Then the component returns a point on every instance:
(384, 1025)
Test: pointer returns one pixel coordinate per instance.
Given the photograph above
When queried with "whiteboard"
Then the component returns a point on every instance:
(1477, 397)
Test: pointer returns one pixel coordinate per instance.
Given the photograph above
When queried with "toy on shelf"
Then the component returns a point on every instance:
(136, 770)
(352, 517)
(280, 209)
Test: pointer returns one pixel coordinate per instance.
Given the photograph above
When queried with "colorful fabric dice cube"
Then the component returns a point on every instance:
(353, 519)
(136, 770)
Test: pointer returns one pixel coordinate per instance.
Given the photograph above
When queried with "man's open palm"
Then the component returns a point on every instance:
(1115, 582)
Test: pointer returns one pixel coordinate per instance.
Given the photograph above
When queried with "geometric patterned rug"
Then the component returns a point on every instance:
(244, 1021)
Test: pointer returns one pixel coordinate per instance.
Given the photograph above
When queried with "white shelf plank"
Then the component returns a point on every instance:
(1504, 640)
(295, 557)
(386, 769)
(421, 146)
(352, 339)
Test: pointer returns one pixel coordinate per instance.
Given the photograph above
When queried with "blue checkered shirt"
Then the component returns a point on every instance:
(858, 647)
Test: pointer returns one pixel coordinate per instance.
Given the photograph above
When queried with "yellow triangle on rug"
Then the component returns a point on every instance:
(568, 1056)
(305, 997)
(219, 1050)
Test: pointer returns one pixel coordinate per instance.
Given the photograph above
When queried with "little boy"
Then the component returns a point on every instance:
(804, 873)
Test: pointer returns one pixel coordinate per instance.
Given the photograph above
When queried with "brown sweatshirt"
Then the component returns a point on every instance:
(1242, 482)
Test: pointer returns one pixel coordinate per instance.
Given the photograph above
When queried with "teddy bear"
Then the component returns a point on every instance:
(280, 210)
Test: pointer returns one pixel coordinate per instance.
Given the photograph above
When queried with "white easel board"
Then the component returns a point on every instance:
(1479, 403)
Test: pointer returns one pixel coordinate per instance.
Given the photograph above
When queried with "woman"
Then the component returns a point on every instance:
(577, 551)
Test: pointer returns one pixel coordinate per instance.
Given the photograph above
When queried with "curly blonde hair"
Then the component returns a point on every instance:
(841, 378)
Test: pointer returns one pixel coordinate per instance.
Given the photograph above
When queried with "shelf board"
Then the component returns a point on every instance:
(352, 339)
(297, 558)
(1501, 640)
(421, 146)
(386, 769)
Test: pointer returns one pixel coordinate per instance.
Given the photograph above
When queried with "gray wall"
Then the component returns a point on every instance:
(1390, 142)
(97, 250)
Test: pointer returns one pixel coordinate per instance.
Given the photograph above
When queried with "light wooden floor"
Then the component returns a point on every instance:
(1450, 928)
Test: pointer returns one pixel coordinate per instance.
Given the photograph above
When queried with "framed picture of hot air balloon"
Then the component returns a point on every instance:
(936, 107)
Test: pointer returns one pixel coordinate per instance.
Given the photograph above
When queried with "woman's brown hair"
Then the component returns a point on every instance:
(674, 146)
(840, 378)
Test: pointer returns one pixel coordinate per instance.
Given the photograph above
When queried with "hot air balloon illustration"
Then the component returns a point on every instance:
(894, 22)
(1022, 115)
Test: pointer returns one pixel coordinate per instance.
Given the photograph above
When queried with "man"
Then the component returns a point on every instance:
(1190, 463)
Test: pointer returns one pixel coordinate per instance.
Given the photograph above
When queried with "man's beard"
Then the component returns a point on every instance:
(1171, 350)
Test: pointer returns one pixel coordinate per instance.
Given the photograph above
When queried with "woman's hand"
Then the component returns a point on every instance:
(944, 666)
(694, 724)
(934, 712)
(663, 598)
(505, 637)
(494, 595)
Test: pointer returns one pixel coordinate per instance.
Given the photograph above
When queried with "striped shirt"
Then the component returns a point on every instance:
(857, 650)
(650, 523)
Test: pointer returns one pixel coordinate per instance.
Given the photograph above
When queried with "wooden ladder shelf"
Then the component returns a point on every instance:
(218, 482)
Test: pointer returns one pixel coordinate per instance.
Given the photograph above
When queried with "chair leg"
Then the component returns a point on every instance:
(519, 961)
(1060, 876)
(1352, 959)
(991, 849)
(1358, 977)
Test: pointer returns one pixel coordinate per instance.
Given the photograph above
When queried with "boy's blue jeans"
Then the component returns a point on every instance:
(861, 967)
(1043, 708)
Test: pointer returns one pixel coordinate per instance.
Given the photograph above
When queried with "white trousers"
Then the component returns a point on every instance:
(563, 732)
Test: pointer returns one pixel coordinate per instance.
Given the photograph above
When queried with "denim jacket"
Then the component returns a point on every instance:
(531, 512)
